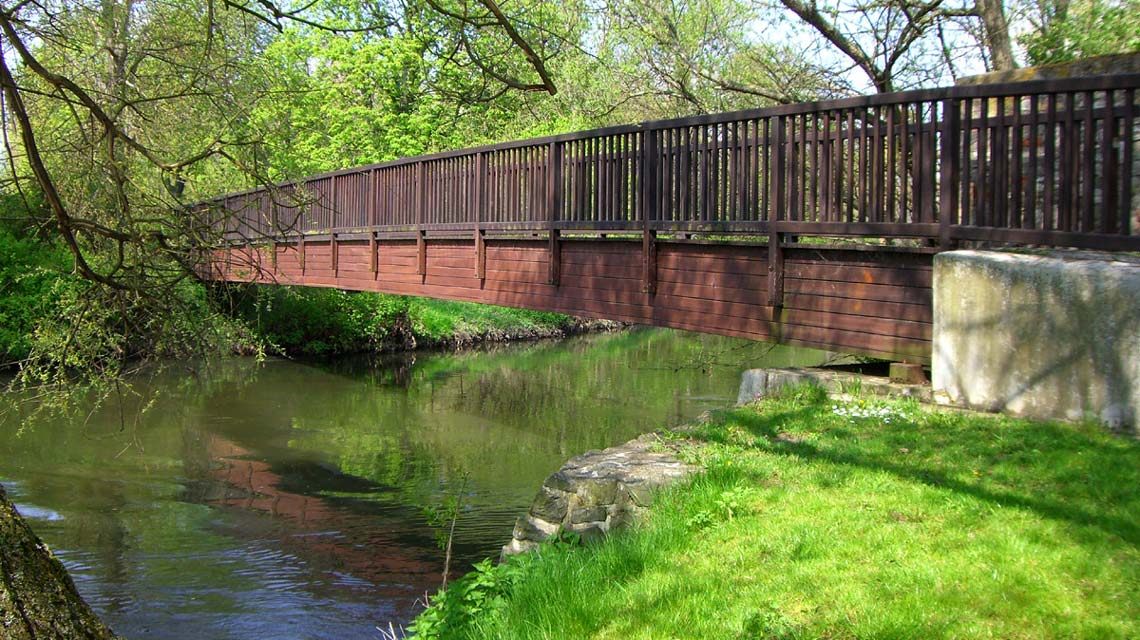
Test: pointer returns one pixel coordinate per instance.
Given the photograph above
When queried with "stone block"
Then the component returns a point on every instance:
(596, 491)
(1047, 336)
(587, 514)
(535, 529)
(906, 373)
(559, 481)
(589, 531)
(641, 494)
(549, 504)
(515, 547)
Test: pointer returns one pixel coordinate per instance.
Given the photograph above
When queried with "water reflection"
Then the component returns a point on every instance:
(285, 499)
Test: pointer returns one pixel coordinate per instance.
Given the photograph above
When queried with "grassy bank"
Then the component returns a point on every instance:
(326, 322)
(820, 518)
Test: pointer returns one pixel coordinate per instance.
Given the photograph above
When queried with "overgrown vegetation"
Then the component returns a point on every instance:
(326, 322)
(825, 518)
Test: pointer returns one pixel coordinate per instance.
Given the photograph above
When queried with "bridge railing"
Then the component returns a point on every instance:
(1043, 163)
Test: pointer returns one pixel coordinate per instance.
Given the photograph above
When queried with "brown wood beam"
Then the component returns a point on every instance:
(373, 257)
(480, 255)
(649, 260)
(554, 276)
(421, 254)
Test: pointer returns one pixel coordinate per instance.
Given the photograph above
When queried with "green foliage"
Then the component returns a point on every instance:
(1087, 28)
(30, 270)
(477, 594)
(483, 592)
(320, 322)
(808, 523)
(327, 322)
(768, 623)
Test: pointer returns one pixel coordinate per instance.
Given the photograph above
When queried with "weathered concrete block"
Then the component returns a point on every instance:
(549, 505)
(1049, 336)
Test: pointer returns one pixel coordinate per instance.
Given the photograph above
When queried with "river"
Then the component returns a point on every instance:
(283, 499)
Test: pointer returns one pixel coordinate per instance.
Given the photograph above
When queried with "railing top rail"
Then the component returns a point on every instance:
(1033, 87)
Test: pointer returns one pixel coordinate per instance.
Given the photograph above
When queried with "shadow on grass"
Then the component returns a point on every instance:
(1080, 471)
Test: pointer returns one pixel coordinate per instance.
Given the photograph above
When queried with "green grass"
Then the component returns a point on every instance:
(326, 322)
(907, 523)
(444, 319)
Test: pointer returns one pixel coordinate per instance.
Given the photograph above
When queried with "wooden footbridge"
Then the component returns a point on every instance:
(811, 224)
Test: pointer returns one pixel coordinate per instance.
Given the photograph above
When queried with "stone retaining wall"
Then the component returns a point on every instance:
(597, 492)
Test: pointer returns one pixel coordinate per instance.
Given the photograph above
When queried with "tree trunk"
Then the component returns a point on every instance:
(38, 600)
(996, 30)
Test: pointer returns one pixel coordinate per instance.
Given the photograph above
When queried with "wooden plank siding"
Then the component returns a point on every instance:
(873, 303)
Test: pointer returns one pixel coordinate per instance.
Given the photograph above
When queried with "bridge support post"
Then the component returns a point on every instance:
(480, 235)
(421, 255)
(373, 257)
(301, 252)
(555, 275)
(553, 208)
(649, 213)
(480, 255)
(649, 258)
(948, 172)
(775, 270)
(333, 259)
(775, 236)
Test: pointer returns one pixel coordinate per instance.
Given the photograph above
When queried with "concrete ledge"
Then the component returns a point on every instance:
(757, 383)
(1100, 65)
(1055, 335)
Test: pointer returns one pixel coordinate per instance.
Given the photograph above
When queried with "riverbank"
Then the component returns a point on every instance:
(818, 517)
(311, 322)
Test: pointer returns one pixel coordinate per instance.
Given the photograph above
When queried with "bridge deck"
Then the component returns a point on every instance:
(1051, 163)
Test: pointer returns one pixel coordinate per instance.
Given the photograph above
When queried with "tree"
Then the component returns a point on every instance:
(699, 56)
(123, 112)
(907, 43)
(38, 600)
(1064, 30)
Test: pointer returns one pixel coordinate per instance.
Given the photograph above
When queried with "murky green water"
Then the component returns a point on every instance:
(285, 500)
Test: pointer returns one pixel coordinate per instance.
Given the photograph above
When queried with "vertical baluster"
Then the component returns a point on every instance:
(915, 176)
(877, 161)
(1001, 166)
(1127, 170)
(814, 171)
(851, 180)
(794, 171)
(1017, 185)
(1034, 148)
(891, 159)
(949, 172)
(982, 192)
(766, 187)
(1088, 165)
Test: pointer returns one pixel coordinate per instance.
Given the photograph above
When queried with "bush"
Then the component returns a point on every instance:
(30, 271)
(320, 322)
